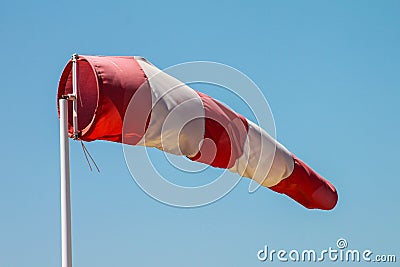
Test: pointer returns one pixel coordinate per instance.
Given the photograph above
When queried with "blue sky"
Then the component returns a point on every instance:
(329, 69)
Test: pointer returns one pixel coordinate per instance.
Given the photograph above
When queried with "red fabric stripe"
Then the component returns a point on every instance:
(308, 187)
(225, 134)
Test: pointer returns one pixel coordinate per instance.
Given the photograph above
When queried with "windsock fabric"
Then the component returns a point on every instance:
(173, 117)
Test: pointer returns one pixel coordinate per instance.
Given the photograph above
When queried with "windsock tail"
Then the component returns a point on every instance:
(308, 187)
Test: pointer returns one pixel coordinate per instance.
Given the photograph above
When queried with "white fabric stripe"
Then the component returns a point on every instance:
(177, 119)
(258, 156)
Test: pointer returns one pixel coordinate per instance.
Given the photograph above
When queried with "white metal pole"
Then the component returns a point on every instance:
(66, 246)
(75, 94)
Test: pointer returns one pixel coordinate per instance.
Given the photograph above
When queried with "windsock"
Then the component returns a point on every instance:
(171, 116)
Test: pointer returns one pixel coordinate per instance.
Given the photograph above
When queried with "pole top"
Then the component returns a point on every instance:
(75, 57)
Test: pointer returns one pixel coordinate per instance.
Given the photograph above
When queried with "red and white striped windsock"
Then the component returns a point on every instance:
(175, 118)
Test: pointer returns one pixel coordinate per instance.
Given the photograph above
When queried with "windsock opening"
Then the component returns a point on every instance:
(106, 85)
(88, 93)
